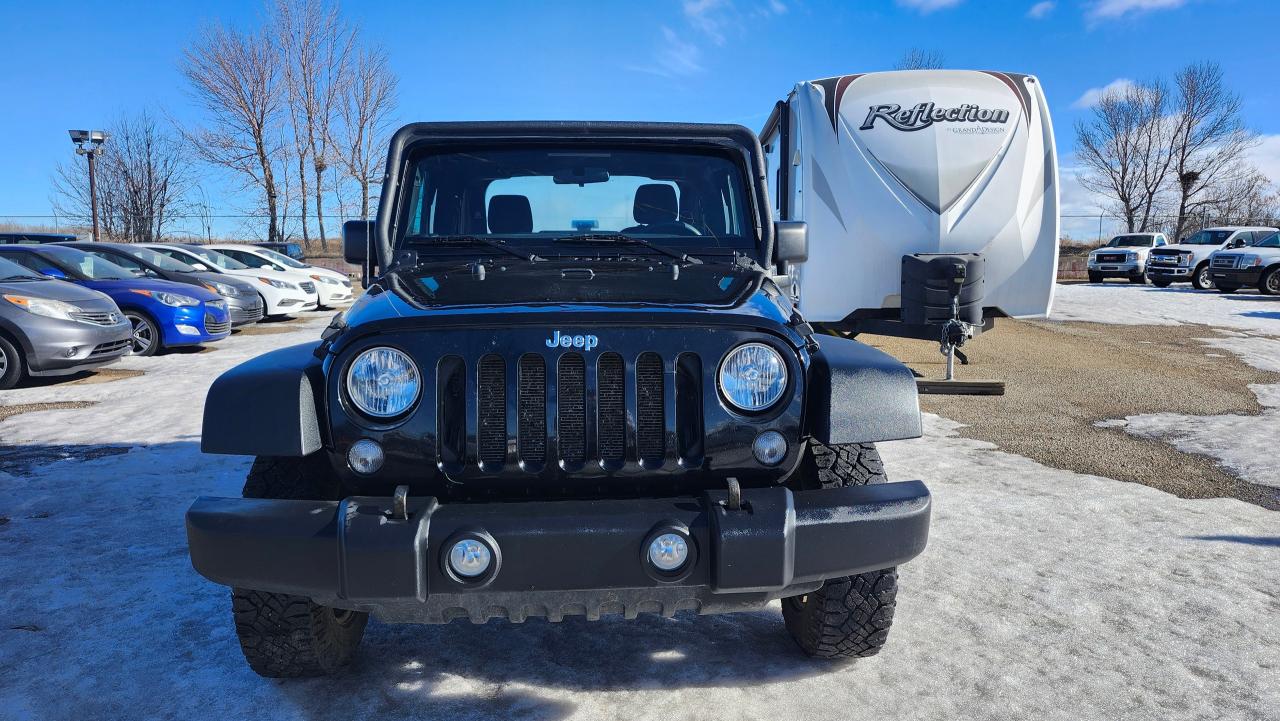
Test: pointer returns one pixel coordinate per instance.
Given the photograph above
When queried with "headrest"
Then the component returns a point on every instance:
(655, 203)
(510, 214)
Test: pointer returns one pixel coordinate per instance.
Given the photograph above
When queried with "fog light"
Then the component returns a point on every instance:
(769, 448)
(668, 552)
(187, 329)
(470, 558)
(71, 352)
(365, 456)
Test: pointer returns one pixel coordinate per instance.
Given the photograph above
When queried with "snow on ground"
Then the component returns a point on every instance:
(1243, 444)
(1043, 594)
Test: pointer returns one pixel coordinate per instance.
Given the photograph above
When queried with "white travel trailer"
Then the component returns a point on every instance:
(920, 188)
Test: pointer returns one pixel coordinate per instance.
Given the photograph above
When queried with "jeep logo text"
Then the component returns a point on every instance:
(585, 342)
(923, 115)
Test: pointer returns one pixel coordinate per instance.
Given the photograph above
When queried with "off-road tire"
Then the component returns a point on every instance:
(1095, 278)
(1200, 277)
(13, 366)
(848, 617)
(286, 636)
(1270, 282)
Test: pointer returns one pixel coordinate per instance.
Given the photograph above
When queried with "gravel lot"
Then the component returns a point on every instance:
(1045, 593)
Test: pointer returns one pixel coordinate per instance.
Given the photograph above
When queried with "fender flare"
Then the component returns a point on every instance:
(858, 394)
(267, 406)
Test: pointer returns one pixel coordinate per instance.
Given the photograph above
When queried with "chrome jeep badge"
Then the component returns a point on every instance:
(585, 342)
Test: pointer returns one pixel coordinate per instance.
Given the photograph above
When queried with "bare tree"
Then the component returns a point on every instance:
(368, 100)
(317, 44)
(143, 176)
(1124, 149)
(235, 78)
(1207, 141)
(918, 59)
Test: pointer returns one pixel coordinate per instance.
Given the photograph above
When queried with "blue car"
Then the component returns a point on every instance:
(164, 314)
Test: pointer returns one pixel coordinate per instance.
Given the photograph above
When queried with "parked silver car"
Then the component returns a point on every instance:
(50, 327)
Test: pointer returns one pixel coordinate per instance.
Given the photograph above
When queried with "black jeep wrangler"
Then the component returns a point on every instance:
(576, 385)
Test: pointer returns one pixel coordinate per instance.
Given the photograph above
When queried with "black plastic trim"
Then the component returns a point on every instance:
(858, 394)
(267, 406)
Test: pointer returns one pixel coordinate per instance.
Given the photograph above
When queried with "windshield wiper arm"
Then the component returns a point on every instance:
(620, 238)
(473, 240)
(20, 277)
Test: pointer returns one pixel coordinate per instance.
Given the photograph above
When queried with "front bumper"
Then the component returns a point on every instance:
(1169, 272)
(556, 558)
(245, 310)
(1242, 277)
(1134, 268)
(60, 347)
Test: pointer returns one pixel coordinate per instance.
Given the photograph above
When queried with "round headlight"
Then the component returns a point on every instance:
(753, 376)
(383, 382)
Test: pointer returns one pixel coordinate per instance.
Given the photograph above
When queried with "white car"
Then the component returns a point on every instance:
(1125, 256)
(280, 295)
(334, 287)
(1188, 259)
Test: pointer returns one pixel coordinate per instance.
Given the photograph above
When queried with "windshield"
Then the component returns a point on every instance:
(693, 199)
(281, 258)
(1208, 237)
(160, 260)
(1271, 241)
(10, 270)
(225, 262)
(87, 266)
(1130, 241)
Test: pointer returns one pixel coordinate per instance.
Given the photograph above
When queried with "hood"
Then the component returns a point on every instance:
(241, 284)
(54, 290)
(1190, 248)
(165, 286)
(321, 270)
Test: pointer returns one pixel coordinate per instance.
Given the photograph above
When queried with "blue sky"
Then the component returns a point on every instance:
(697, 60)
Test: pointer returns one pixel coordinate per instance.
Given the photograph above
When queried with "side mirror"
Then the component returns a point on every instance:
(54, 273)
(265, 266)
(355, 241)
(791, 241)
(199, 266)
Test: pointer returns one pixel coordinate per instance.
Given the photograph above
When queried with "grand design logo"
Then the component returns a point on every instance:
(922, 115)
(585, 342)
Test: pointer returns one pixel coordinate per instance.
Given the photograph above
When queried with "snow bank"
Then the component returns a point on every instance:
(1126, 304)
(1043, 594)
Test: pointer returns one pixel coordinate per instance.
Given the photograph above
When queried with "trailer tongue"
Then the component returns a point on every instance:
(931, 199)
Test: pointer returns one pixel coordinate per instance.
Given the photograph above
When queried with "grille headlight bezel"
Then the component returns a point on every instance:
(769, 386)
(376, 397)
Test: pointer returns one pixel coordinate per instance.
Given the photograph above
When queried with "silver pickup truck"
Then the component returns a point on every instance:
(1255, 265)
(1188, 260)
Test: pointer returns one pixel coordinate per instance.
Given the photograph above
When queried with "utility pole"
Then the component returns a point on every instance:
(89, 144)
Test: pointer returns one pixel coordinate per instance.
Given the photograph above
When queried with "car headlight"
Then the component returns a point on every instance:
(174, 300)
(222, 288)
(326, 280)
(1250, 261)
(278, 283)
(383, 382)
(752, 376)
(46, 307)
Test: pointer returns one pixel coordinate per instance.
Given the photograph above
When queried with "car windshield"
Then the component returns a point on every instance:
(87, 266)
(160, 260)
(280, 258)
(530, 196)
(1130, 241)
(1208, 237)
(10, 270)
(1271, 241)
(224, 262)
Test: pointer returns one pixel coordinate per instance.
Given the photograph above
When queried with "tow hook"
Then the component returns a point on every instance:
(400, 504)
(734, 502)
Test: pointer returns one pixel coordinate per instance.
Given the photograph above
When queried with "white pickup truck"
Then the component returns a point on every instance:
(1124, 256)
(1188, 260)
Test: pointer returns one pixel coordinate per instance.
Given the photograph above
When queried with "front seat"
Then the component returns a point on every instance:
(657, 211)
(510, 214)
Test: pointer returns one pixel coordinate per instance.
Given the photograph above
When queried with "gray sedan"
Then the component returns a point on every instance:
(50, 327)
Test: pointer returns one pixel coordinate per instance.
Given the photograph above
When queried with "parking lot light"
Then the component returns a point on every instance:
(89, 144)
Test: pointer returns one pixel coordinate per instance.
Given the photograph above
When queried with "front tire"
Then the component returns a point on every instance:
(850, 616)
(1095, 277)
(1270, 283)
(282, 635)
(1200, 279)
(1138, 279)
(13, 366)
(1227, 288)
(1160, 283)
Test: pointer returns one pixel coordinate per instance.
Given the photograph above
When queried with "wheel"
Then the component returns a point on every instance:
(146, 336)
(13, 366)
(1138, 279)
(1227, 288)
(1200, 279)
(1095, 277)
(1160, 283)
(848, 617)
(1270, 283)
(282, 635)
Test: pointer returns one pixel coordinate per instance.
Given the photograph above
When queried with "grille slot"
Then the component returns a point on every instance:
(97, 317)
(491, 407)
(213, 326)
(571, 408)
(611, 411)
(1224, 261)
(114, 346)
(451, 411)
(307, 286)
(650, 412)
(531, 414)
(689, 437)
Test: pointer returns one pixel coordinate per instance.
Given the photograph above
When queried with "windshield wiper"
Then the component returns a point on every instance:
(620, 238)
(473, 240)
(19, 277)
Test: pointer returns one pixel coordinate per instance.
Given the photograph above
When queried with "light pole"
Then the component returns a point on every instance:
(89, 144)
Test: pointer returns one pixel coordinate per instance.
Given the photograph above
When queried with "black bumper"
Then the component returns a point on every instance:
(556, 558)
(1236, 277)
